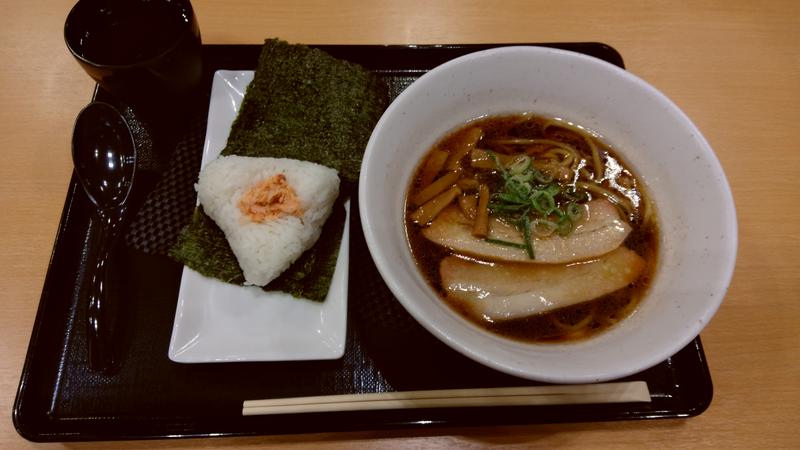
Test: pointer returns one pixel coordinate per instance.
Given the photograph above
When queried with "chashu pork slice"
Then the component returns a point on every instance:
(599, 231)
(502, 291)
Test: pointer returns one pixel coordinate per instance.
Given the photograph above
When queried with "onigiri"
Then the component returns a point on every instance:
(270, 209)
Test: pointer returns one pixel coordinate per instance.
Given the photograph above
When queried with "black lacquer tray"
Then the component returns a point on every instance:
(149, 396)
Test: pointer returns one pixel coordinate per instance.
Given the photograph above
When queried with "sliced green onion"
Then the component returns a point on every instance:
(521, 189)
(505, 243)
(544, 227)
(501, 207)
(553, 189)
(520, 165)
(564, 226)
(543, 202)
(526, 233)
(518, 185)
(533, 201)
(542, 177)
(511, 198)
(525, 177)
(574, 211)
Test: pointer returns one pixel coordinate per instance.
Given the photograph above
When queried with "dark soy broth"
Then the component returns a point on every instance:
(569, 323)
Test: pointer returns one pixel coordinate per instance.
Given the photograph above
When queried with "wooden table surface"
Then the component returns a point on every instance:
(732, 66)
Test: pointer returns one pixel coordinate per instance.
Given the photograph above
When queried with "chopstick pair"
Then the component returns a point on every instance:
(619, 392)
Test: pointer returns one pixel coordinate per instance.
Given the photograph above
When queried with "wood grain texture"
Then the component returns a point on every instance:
(732, 66)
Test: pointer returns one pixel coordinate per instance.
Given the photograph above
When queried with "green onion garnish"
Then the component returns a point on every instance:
(574, 211)
(543, 202)
(526, 233)
(544, 227)
(564, 226)
(532, 201)
(505, 243)
(520, 164)
(542, 177)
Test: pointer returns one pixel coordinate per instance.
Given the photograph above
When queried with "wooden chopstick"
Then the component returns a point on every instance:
(620, 392)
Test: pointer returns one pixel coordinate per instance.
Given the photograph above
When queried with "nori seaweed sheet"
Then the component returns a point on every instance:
(302, 104)
(305, 104)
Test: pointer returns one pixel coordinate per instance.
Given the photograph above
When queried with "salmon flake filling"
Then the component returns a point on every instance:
(269, 200)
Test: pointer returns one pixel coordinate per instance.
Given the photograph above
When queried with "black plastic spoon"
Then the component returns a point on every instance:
(104, 155)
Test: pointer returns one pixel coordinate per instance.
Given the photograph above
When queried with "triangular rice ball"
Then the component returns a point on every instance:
(271, 210)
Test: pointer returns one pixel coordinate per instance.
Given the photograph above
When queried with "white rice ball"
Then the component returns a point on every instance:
(265, 249)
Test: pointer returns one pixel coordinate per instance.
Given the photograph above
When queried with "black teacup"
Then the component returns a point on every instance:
(136, 48)
(146, 53)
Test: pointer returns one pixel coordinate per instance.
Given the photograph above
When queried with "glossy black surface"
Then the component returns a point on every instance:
(104, 156)
(149, 396)
(146, 52)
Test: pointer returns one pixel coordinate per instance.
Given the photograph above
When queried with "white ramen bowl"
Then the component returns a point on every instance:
(698, 240)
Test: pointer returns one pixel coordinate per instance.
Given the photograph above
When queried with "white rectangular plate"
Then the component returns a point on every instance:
(221, 322)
